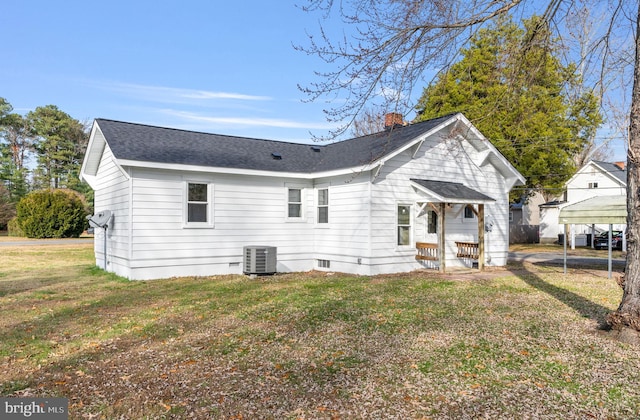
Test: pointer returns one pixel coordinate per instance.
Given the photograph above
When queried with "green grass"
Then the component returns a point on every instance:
(520, 344)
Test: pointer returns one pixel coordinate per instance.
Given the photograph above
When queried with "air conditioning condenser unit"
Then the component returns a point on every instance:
(260, 259)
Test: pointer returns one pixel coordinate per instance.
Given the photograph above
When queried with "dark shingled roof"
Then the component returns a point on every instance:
(137, 142)
(452, 190)
(613, 169)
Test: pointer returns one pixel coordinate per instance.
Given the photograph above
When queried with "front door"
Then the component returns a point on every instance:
(427, 226)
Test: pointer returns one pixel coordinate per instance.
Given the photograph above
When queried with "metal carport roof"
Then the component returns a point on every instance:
(602, 209)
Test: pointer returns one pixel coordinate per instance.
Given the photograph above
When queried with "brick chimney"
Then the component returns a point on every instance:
(620, 164)
(393, 119)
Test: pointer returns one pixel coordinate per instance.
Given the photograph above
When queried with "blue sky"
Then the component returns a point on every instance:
(226, 67)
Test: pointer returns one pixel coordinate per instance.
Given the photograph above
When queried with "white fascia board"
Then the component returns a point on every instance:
(240, 171)
(95, 148)
(93, 155)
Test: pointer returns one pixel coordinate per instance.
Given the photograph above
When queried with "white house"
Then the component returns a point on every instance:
(595, 179)
(186, 203)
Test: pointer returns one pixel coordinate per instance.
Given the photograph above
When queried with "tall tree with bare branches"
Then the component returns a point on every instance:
(523, 100)
(388, 48)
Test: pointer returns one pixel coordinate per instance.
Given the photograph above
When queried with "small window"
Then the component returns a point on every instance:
(295, 202)
(468, 212)
(593, 185)
(323, 205)
(197, 203)
(404, 225)
(324, 264)
(510, 217)
(432, 222)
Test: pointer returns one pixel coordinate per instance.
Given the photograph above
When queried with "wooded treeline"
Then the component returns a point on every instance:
(39, 150)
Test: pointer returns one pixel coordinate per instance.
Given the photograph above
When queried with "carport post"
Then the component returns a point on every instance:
(564, 246)
(610, 240)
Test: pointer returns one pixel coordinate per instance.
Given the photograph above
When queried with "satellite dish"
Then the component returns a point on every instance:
(100, 220)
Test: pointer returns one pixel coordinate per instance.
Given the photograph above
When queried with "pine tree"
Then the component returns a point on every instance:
(522, 99)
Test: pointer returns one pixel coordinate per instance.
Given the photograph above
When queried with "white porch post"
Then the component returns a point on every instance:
(564, 245)
(610, 246)
(441, 236)
(480, 237)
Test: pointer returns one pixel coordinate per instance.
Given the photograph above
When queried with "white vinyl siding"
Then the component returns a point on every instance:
(444, 159)
(112, 192)
(150, 206)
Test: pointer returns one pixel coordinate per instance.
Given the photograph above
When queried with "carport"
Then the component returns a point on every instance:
(596, 210)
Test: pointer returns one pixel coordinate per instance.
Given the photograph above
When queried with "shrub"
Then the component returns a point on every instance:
(7, 207)
(52, 214)
(14, 229)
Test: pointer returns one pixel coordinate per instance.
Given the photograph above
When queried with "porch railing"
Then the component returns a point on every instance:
(468, 250)
(427, 251)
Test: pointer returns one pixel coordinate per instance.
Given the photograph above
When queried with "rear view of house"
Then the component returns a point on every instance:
(432, 194)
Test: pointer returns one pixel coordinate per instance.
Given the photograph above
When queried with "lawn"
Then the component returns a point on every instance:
(516, 343)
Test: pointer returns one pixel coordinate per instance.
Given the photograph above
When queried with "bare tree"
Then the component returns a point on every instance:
(389, 47)
(370, 121)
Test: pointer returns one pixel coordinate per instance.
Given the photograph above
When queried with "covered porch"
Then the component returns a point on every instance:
(441, 198)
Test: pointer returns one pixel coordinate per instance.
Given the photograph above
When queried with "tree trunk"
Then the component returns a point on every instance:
(628, 313)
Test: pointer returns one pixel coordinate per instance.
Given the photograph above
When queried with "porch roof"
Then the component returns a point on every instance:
(602, 209)
(449, 192)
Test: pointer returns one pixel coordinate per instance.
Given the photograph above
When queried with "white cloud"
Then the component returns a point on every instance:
(248, 121)
(173, 95)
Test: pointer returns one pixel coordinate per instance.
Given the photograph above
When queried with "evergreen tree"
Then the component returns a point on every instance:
(522, 99)
(16, 142)
(60, 145)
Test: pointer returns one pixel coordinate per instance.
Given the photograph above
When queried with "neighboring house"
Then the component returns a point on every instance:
(524, 220)
(187, 203)
(595, 179)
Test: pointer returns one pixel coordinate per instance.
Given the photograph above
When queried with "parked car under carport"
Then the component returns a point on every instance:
(602, 240)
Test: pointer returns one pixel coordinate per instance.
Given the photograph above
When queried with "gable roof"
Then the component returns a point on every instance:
(450, 192)
(167, 148)
(143, 143)
(608, 169)
(613, 170)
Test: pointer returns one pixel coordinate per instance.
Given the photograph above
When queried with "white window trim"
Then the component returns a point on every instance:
(468, 207)
(317, 206)
(411, 226)
(302, 189)
(185, 202)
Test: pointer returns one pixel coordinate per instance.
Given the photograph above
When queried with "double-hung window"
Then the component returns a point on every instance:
(294, 203)
(404, 225)
(198, 204)
(323, 205)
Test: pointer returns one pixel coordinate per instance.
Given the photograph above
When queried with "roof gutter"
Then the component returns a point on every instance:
(242, 171)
